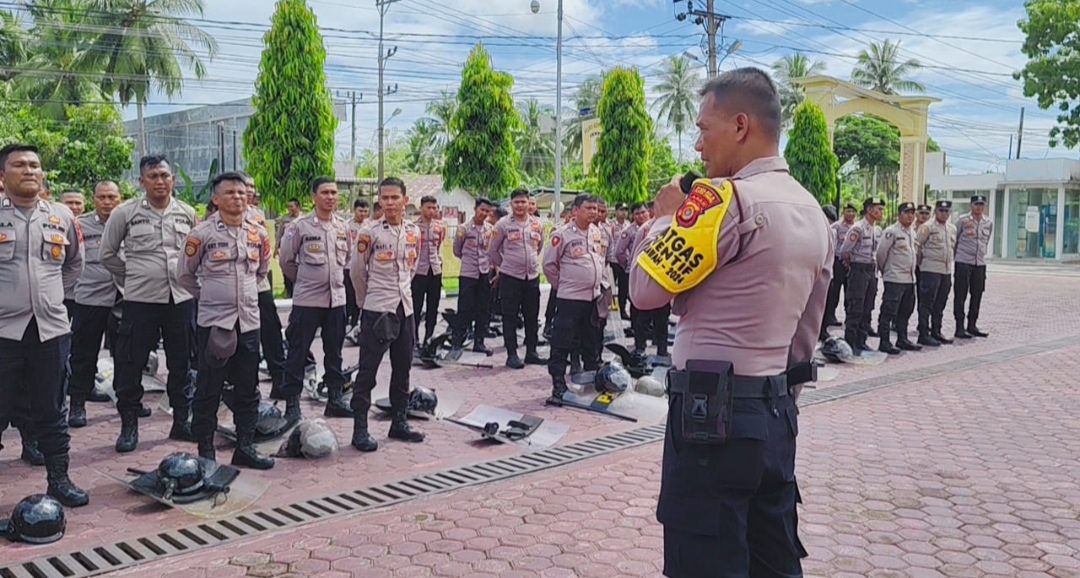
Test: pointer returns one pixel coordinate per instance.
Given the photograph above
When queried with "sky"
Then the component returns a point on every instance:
(968, 49)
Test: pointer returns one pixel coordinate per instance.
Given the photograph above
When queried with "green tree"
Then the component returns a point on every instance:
(481, 157)
(623, 151)
(663, 165)
(881, 69)
(290, 139)
(785, 71)
(1052, 74)
(678, 88)
(425, 157)
(809, 155)
(536, 147)
(397, 160)
(14, 42)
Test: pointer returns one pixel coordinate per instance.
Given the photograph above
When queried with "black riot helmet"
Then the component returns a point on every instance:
(836, 349)
(423, 399)
(180, 474)
(612, 377)
(36, 519)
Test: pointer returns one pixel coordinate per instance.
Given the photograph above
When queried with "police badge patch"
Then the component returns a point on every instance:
(192, 247)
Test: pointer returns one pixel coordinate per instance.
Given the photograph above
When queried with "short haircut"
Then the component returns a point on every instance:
(359, 204)
(519, 192)
(501, 212)
(320, 181)
(600, 201)
(637, 207)
(100, 184)
(245, 176)
(45, 184)
(428, 199)
(72, 192)
(375, 206)
(753, 92)
(231, 176)
(152, 161)
(582, 199)
(16, 148)
(294, 201)
(830, 213)
(480, 201)
(394, 182)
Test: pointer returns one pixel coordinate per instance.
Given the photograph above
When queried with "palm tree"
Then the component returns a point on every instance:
(439, 114)
(881, 70)
(785, 70)
(146, 44)
(536, 147)
(678, 95)
(586, 96)
(13, 43)
(425, 154)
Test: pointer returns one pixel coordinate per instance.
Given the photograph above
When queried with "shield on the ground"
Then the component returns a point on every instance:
(538, 436)
(226, 492)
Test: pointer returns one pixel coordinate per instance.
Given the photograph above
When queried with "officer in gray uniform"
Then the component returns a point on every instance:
(151, 229)
(973, 233)
(937, 243)
(40, 257)
(292, 208)
(382, 270)
(360, 214)
(225, 260)
(515, 252)
(270, 337)
(839, 279)
(427, 284)
(859, 253)
(896, 258)
(474, 282)
(314, 254)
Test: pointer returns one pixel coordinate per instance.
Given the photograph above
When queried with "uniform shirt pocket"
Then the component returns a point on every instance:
(7, 244)
(53, 246)
(342, 247)
(141, 234)
(314, 253)
(181, 230)
(219, 260)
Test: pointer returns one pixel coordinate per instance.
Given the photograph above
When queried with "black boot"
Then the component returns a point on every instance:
(206, 448)
(533, 358)
(905, 344)
(852, 339)
(292, 409)
(885, 344)
(30, 452)
(928, 340)
(77, 412)
(361, 439)
(245, 454)
(457, 344)
(558, 389)
(181, 426)
(144, 412)
(60, 485)
(335, 407)
(479, 347)
(129, 431)
(98, 396)
(401, 430)
(972, 329)
(514, 362)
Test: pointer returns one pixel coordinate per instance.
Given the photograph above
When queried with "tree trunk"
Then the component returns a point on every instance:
(679, 132)
(140, 140)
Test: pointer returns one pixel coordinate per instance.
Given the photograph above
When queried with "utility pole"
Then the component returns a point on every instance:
(1020, 136)
(713, 24)
(383, 6)
(234, 151)
(1011, 137)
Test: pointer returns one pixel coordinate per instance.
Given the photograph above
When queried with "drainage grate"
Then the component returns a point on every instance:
(102, 559)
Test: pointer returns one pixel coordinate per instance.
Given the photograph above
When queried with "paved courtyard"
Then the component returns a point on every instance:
(955, 462)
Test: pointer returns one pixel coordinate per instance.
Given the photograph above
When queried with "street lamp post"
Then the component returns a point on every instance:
(557, 206)
(383, 6)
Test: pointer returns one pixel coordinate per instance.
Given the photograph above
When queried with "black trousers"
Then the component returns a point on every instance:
(140, 328)
(426, 291)
(372, 351)
(549, 309)
(897, 304)
(838, 283)
(573, 331)
(88, 325)
(655, 319)
(860, 295)
(474, 299)
(352, 312)
(242, 373)
(32, 389)
(304, 322)
(622, 283)
(969, 279)
(524, 296)
(288, 286)
(933, 294)
(273, 344)
(729, 510)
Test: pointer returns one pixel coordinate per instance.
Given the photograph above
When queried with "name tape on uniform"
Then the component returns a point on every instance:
(686, 254)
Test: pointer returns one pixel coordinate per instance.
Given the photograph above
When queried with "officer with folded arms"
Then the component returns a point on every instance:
(152, 230)
(896, 260)
(747, 259)
(40, 257)
(225, 259)
(937, 241)
(973, 233)
(859, 253)
(382, 271)
(474, 291)
(515, 251)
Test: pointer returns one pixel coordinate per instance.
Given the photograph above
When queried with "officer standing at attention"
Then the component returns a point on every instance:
(427, 284)
(474, 292)
(618, 271)
(859, 253)
(840, 271)
(314, 255)
(151, 230)
(515, 251)
(574, 264)
(749, 247)
(360, 214)
(382, 271)
(973, 233)
(937, 243)
(922, 215)
(896, 258)
(292, 208)
(40, 257)
(225, 259)
(95, 295)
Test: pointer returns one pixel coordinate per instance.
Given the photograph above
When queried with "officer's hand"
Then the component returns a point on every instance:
(668, 200)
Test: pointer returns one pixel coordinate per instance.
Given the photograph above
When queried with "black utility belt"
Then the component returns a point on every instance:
(863, 266)
(742, 386)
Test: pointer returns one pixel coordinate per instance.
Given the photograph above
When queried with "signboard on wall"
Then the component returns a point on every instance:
(590, 136)
(1032, 219)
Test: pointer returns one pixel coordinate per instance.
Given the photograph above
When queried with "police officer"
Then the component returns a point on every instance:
(360, 214)
(40, 256)
(515, 251)
(937, 243)
(622, 281)
(292, 208)
(151, 229)
(574, 264)
(225, 259)
(95, 295)
(382, 271)
(839, 279)
(922, 216)
(474, 291)
(427, 284)
(896, 258)
(624, 249)
(973, 233)
(859, 253)
(728, 505)
(314, 255)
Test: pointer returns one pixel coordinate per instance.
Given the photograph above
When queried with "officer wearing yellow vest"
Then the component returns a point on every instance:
(747, 258)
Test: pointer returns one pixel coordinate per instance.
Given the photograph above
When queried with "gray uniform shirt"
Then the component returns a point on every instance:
(840, 229)
(515, 247)
(314, 255)
(937, 243)
(861, 243)
(432, 236)
(973, 239)
(222, 267)
(282, 224)
(256, 216)
(471, 245)
(152, 242)
(896, 255)
(624, 246)
(40, 257)
(96, 286)
(383, 266)
(574, 262)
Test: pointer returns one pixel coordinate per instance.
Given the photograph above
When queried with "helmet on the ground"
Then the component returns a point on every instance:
(612, 377)
(180, 474)
(36, 519)
(836, 349)
(423, 399)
